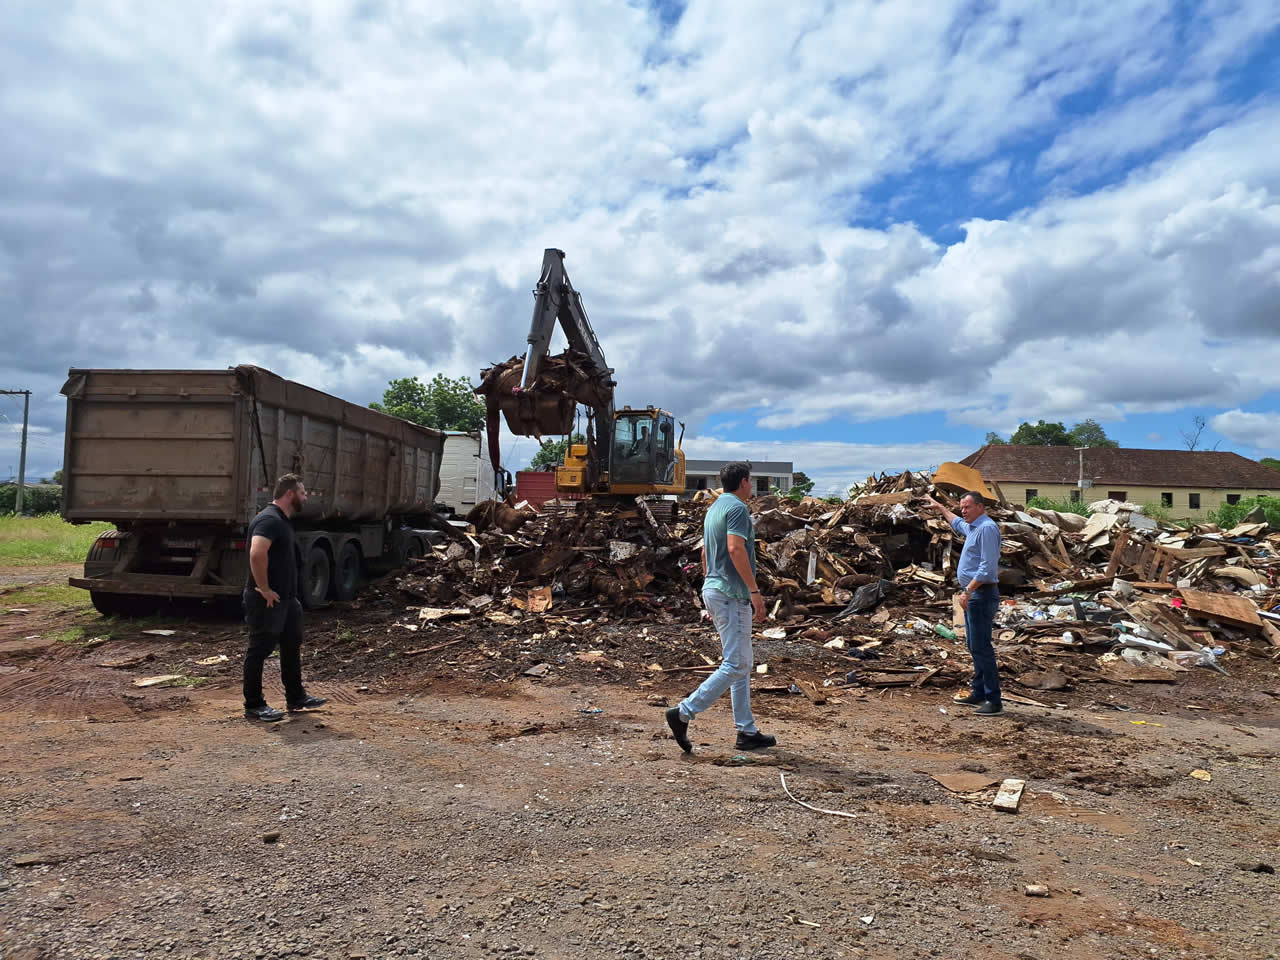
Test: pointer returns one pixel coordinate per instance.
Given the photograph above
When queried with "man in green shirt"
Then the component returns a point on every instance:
(732, 598)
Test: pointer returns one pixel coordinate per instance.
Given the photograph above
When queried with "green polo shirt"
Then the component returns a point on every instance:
(727, 515)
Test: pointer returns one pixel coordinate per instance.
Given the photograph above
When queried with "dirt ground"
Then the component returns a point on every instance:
(442, 806)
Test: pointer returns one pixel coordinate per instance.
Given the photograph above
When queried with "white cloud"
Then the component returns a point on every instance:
(1258, 430)
(351, 192)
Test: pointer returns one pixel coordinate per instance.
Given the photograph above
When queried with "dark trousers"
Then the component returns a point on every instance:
(267, 630)
(983, 605)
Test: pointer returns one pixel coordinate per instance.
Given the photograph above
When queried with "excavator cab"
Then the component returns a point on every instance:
(643, 447)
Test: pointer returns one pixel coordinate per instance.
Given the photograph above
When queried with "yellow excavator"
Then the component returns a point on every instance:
(628, 452)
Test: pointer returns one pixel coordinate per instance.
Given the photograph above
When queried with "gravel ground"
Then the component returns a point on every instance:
(505, 821)
(443, 805)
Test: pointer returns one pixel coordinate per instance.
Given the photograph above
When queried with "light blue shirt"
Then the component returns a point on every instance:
(727, 515)
(980, 558)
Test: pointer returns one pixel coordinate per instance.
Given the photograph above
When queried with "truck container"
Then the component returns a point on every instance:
(181, 460)
(539, 486)
(466, 473)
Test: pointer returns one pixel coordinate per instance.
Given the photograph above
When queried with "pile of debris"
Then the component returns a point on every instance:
(1114, 596)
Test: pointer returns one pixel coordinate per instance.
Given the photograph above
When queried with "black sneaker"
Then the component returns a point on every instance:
(307, 703)
(264, 713)
(971, 700)
(990, 708)
(679, 729)
(755, 741)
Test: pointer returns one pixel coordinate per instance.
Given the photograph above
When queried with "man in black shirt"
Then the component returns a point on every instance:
(271, 606)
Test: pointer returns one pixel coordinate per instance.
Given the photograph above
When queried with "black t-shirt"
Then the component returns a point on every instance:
(282, 562)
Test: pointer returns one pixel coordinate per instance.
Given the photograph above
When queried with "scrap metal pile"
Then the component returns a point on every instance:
(861, 591)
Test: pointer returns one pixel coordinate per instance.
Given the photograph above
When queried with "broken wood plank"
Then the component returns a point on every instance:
(1025, 701)
(924, 677)
(1229, 608)
(811, 691)
(1009, 795)
(883, 499)
(1271, 633)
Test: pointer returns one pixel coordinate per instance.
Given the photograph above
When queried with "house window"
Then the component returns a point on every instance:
(1233, 498)
(1166, 499)
(1075, 496)
(1120, 495)
(1031, 494)
(1193, 501)
(762, 484)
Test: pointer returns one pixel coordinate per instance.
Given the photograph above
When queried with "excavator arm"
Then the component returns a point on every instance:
(539, 396)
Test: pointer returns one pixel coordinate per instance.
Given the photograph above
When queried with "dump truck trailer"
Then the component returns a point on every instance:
(181, 460)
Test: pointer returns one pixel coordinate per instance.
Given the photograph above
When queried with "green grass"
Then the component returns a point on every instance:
(47, 595)
(69, 635)
(1232, 514)
(44, 540)
(1061, 506)
(186, 681)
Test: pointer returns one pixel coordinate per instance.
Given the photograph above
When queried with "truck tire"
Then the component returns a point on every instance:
(412, 550)
(346, 577)
(316, 571)
(115, 604)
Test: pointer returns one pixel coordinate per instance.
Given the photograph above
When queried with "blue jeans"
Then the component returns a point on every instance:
(732, 618)
(983, 605)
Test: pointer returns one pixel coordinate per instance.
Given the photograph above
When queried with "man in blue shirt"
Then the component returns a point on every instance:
(979, 576)
(732, 598)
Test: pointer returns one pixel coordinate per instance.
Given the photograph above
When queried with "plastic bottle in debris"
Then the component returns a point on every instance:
(942, 630)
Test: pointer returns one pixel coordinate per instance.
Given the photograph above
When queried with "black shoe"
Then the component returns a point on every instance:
(971, 700)
(755, 741)
(264, 713)
(679, 729)
(306, 703)
(990, 708)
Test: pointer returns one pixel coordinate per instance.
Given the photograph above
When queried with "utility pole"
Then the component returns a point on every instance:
(1080, 483)
(22, 456)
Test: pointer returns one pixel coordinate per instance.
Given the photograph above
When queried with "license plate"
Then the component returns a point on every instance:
(181, 544)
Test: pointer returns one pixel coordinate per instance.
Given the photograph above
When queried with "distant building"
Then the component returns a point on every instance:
(765, 474)
(1188, 483)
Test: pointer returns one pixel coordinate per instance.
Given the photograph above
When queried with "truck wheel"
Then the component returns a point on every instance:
(315, 578)
(412, 550)
(346, 578)
(108, 604)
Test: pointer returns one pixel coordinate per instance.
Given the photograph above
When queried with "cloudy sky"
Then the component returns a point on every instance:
(853, 235)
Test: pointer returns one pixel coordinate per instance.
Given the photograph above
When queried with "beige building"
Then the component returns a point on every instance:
(1187, 484)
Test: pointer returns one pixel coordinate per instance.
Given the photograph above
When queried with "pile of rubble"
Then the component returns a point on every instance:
(862, 591)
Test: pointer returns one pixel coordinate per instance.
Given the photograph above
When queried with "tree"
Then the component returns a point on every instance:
(1089, 433)
(1191, 438)
(800, 481)
(1041, 435)
(446, 403)
(551, 452)
(1086, 433)
(57, 477)
(1271, 462)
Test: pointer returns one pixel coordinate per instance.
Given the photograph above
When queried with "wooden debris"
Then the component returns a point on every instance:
(1009, 795)
(964, 782)
(1228, 608)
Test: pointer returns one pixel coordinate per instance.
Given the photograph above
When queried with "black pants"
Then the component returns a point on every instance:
(267, 630)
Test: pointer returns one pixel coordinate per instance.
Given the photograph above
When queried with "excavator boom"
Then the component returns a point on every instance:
(538, 395)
